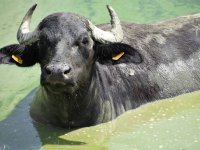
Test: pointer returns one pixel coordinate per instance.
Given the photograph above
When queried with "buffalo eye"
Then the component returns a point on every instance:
(82, 41)
(85, 41)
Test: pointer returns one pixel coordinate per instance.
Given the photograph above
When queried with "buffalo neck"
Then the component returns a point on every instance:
(66, 110)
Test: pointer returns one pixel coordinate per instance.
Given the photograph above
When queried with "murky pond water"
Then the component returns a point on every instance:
(170, 124)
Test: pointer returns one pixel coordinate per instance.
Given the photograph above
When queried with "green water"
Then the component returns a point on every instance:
(171, 125)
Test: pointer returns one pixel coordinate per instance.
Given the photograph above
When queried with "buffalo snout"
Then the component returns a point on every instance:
(58, 74)
(59, 69)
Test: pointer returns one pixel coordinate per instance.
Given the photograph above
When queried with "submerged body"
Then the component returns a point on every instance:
(160, 61)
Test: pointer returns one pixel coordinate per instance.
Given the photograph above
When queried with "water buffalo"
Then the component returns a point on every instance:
(92, 74)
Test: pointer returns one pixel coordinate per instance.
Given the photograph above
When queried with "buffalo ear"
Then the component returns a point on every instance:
(19, 55)
(117, 53)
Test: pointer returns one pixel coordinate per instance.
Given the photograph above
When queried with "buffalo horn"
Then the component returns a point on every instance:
(24, 36)
(116, 33)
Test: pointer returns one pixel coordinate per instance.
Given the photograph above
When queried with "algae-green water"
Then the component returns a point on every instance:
(172, 124)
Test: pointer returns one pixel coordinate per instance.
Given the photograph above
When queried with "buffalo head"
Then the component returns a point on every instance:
(66, 46)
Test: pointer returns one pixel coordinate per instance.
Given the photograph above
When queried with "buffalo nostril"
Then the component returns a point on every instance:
(67, 70)
(48, 71)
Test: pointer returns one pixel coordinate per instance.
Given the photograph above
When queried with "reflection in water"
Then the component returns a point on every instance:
(20, 132)
(51, 135)
(18, 128)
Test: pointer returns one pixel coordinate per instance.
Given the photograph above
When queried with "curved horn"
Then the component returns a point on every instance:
(24, 36)
(116, 33)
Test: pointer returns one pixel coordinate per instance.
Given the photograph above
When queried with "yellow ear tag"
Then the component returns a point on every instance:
(118, 56)
(17, 59)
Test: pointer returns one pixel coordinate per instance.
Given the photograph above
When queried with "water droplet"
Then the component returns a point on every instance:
(175, 140)
(150, 127)
(183, 117)
(170, 119)
(160, 146)
(167, 131)
(131, 72)
(152, 119)
(122, 65)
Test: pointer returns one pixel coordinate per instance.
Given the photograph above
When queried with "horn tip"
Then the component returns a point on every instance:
(34, 6)
(109, 7)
